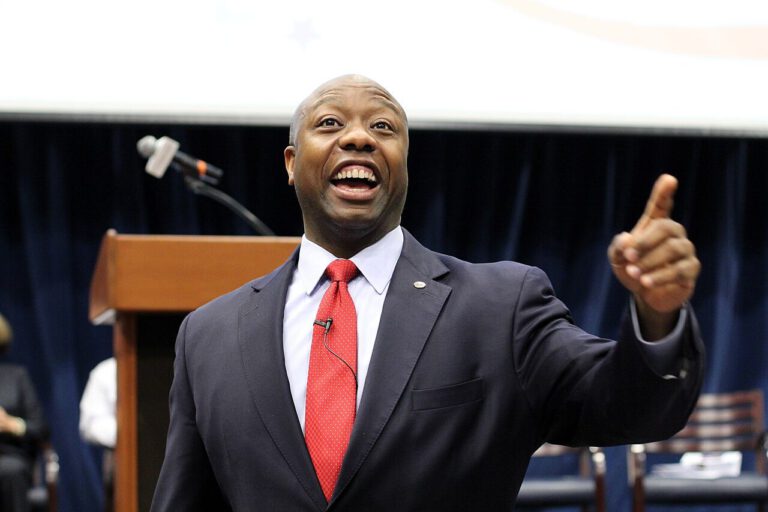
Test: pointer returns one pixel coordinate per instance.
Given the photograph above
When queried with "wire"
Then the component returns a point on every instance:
(327, 327)
(203, 189)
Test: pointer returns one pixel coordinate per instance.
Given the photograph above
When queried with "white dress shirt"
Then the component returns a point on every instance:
(98, 424)
(368, 290)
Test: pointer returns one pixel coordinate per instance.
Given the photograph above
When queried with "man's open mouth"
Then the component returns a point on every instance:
(355, 177)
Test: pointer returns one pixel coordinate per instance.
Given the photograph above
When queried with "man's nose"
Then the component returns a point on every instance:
(357, 138)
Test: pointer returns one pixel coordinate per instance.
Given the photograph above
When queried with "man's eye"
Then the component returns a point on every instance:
(329, 121)
(382, 125)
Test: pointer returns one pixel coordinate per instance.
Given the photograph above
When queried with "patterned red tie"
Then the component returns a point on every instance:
(332, 380)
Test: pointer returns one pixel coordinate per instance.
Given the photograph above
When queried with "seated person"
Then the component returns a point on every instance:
(22, 426)
(98, 422)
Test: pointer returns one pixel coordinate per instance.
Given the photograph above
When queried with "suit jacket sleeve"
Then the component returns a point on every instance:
(186, 481)
(593, 391)
(31, 411)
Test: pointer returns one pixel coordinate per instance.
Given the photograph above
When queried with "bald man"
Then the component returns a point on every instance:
(457, 373)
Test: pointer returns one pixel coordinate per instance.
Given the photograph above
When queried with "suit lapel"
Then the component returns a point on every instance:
(260, 333)
(407, 320)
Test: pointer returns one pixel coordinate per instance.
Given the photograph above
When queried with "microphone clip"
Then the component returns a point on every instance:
(324, 324)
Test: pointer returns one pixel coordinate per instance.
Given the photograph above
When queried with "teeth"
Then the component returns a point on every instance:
(357, 172)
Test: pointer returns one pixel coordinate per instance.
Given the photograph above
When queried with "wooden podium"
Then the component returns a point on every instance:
(144, 285)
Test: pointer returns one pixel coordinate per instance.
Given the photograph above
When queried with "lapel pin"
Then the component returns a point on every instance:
(419, 284)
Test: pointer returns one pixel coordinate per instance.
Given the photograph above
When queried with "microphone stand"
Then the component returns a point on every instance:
(198, 187)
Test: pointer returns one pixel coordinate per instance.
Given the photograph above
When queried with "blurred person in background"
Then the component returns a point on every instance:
(98, 421)
(98, 424)
(22, 427)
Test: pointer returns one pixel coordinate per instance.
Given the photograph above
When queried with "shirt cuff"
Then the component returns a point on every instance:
(664, 356)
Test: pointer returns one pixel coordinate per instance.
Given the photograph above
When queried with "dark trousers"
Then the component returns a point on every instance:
(15, 480)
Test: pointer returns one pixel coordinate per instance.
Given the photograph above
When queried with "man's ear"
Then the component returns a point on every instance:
(289, 154)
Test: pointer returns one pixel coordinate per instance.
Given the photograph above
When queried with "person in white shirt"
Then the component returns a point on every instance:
(98, 423)
(98, 420)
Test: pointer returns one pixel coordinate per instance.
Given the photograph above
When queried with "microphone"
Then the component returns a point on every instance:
(198, 174)
(164, 152)
(325, 325)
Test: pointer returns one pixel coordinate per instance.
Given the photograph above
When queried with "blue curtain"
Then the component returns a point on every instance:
(551, 200)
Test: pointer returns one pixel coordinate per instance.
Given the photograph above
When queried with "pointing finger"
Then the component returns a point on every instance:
(660, 203)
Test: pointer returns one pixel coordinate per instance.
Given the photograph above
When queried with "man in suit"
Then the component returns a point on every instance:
(22, 426)
(460, 372)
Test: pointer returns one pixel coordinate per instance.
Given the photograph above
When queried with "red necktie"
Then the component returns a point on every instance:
(332, 380)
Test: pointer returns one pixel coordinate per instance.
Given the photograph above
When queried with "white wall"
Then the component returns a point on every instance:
(676, 64)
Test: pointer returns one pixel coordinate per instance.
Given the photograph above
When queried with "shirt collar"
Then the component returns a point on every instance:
(376, 262)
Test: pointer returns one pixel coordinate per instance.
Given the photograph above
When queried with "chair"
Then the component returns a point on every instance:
(585, 489)
(45, 477)
(719, 423)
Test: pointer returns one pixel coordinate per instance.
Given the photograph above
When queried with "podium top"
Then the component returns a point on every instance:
(170, 273)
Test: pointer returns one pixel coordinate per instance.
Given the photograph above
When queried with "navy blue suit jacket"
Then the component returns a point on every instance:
(469, 375)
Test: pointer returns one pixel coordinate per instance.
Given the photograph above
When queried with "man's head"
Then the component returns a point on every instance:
(6, 335)
(347, 159)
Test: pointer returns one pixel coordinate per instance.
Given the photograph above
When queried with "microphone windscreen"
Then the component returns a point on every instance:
(160, 151)
(146, 146)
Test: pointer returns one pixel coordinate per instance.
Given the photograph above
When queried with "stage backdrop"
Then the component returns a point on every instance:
(551, 200)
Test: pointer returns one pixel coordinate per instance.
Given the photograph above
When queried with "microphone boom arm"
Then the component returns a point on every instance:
(198, 187)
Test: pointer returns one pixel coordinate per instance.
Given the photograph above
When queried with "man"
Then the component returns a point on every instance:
(458, 371)
(98, 424)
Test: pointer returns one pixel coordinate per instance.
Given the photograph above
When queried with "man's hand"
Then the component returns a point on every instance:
(656, 261)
